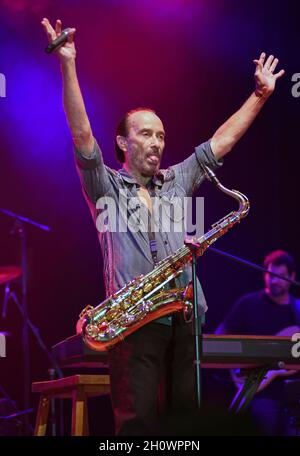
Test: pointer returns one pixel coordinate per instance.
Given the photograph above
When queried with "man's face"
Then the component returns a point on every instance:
(274, 286)
(145, 142)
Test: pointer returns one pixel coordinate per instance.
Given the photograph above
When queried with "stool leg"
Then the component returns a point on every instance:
(79, 413)
(42, 416)
(85, 418)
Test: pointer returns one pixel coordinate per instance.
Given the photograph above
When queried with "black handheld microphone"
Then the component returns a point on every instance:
(59, 41)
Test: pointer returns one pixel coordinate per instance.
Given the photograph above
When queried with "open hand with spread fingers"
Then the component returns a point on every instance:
(265, 78)
(67, 51)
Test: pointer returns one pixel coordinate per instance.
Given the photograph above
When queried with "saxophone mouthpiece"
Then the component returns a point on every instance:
(209, 174)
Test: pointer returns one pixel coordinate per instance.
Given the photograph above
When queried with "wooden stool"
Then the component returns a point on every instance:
(76, 387)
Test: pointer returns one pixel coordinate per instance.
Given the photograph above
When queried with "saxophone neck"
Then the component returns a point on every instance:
(242, 199)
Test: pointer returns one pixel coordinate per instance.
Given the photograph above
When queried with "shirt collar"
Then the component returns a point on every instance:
(157, 179)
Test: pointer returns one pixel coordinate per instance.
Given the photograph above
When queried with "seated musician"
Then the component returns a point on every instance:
(270, 311)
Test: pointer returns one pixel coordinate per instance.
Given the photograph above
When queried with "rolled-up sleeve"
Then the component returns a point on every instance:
(93, 173)
(189, 171)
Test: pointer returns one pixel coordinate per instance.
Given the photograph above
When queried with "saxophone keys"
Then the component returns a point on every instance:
(103, 326)
(137, 295)
(148, 287)
(86, 311)
(92, 330)
(111, 314)
(124, 305)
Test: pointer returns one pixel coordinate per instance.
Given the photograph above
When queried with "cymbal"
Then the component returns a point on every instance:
(8, 273)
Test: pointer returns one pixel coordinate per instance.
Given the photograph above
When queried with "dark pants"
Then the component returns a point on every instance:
(137, 365)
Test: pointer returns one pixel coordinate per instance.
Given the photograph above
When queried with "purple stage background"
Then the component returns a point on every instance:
(192, 62)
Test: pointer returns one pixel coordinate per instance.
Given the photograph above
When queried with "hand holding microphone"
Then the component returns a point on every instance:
(60, 40)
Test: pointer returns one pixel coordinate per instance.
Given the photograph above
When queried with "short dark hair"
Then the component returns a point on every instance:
(122, 130)
(278, 258)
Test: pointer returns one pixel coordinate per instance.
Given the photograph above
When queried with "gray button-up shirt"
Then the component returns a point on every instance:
(127, 254)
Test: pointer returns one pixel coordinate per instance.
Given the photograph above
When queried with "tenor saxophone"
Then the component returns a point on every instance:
(145, 298)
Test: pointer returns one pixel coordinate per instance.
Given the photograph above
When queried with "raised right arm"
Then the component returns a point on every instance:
(72, 98)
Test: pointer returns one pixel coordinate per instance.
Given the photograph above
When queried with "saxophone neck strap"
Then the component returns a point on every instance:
(151, 234)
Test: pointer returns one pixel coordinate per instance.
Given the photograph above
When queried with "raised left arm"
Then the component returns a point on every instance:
(233, 129)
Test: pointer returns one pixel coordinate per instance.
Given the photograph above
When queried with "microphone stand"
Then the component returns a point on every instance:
(252, 265)
(19, 229)
(197, 321)
(194, 246)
